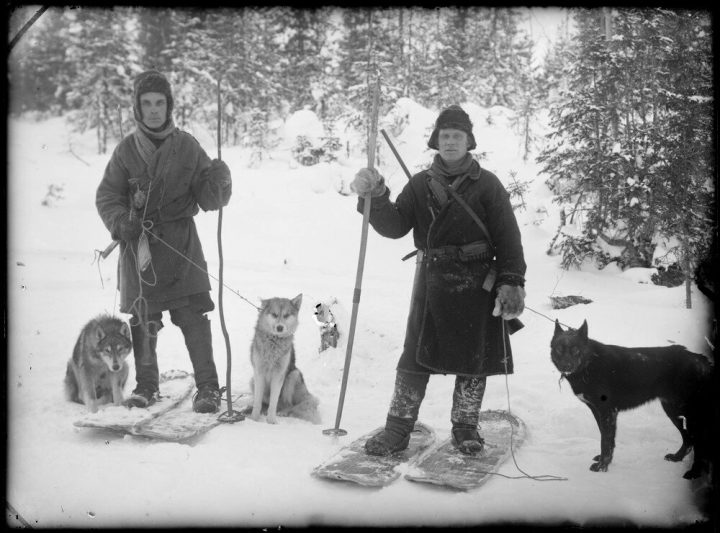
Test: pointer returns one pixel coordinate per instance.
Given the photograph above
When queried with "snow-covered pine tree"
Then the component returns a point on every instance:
(420, 47)
(530, 98)
(39, 74)
(197, 69)
(303, 64)
(263, 74)
(99, 45)
(502, 60)
(554, 72)
(155, 30)
(450, 79)
(398, 76)
(683, 174)
(358, 64)
(611, 148)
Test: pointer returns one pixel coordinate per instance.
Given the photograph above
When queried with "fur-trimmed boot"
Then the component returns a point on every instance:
(404, 407)
(467, 400)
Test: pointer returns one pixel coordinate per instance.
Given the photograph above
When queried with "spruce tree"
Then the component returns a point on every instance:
(633, 134)
(40, 73)
(683, 184)
(99, 46)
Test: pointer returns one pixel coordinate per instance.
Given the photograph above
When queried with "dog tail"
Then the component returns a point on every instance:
(297, 400)
(306, 410)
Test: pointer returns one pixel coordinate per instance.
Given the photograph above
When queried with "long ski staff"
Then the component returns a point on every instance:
(229, 415)
(372, 140)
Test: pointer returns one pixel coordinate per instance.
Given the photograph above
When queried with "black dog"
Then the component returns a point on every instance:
(610, 379)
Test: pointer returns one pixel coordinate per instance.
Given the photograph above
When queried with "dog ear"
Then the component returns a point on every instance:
(125, 330)
(97, 331)
(297, 301)
(583, 331)
(558, 329)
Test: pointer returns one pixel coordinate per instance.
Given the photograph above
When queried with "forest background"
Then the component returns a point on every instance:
(629, 156)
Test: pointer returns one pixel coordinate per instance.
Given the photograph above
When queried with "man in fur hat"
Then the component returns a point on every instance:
(470, 278)
(156, 181)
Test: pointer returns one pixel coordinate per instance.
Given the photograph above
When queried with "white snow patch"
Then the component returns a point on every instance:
(286, 232)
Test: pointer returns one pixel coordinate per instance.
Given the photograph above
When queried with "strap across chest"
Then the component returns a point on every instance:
(442, 192)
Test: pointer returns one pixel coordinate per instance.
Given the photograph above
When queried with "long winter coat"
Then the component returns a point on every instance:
(178, 187)
(450, 327)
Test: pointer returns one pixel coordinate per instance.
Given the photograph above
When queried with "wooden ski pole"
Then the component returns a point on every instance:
(228, 416)
(372, 140)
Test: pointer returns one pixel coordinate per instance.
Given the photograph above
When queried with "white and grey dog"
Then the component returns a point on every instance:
(277, 384)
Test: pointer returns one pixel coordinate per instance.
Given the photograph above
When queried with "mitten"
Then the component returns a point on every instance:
(510, 301)
(218, 173)
(368, 180)
(129, 229)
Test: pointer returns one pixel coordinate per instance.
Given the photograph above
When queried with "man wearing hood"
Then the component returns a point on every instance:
(156, 181)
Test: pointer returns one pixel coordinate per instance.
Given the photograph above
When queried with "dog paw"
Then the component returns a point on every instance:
(272, 420)
(255, 416)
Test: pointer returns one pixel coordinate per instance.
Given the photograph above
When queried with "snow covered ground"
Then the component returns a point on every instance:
(288, 231)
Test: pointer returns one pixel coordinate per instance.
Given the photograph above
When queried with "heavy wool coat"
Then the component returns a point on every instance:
(450, 326)
(175, 186)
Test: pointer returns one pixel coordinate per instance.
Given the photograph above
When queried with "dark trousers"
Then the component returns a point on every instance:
(195, 327)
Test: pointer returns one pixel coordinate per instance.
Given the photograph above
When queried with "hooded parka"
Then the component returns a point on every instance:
(166, 193)
(450, 326)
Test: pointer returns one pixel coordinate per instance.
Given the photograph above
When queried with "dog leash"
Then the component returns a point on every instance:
(546, 317)
(525, 475)
(202, 269)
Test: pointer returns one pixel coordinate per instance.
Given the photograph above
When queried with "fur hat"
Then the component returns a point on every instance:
(151, 81)
(452, 117)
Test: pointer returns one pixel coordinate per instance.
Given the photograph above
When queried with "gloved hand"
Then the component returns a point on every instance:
(218, 173)
(129, 229)
(368, 180)
(509, 302)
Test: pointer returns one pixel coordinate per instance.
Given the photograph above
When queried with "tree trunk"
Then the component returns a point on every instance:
(685, 265)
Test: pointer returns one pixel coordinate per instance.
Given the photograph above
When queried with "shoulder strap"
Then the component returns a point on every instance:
(438, 186)
(467, 208)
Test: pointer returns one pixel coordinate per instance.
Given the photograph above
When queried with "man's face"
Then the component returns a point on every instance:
(153, 107)
(452, 144)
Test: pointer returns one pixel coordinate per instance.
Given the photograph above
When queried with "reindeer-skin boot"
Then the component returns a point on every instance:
(404, 407)
(467, 401)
